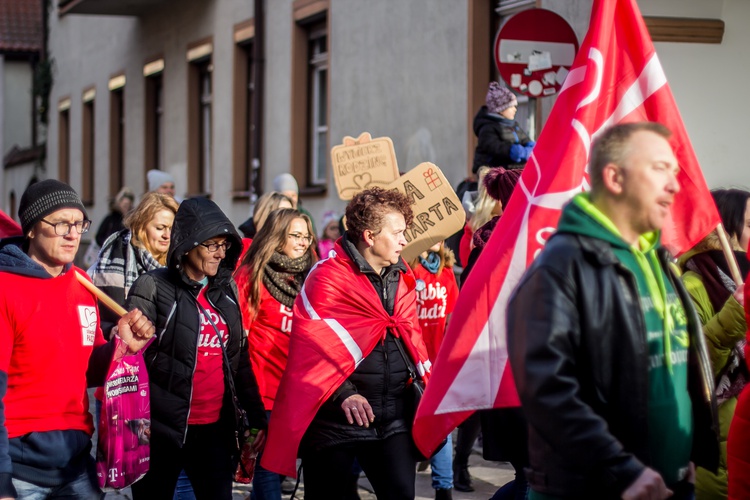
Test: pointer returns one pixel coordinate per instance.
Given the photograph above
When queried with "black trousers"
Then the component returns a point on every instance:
(206, 457)
(390, 466)
(468, 432)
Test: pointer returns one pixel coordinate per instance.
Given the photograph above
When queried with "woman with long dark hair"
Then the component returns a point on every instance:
(269, 278)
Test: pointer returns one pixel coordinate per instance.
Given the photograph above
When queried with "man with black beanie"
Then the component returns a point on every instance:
(51, 346)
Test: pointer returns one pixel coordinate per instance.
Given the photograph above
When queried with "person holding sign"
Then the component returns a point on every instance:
(500, 140)
(355, 341)
(437, 293)
(51, 348)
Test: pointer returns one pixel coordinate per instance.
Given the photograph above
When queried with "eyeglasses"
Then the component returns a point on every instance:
(214, 247)
(63, 228)
(301, 237)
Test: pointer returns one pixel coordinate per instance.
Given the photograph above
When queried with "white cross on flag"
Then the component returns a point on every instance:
(616, 77)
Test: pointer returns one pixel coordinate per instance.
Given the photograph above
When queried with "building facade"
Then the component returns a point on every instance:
(24, 86)
(226, 94)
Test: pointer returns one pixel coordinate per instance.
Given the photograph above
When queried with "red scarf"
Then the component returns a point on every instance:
(338, 320)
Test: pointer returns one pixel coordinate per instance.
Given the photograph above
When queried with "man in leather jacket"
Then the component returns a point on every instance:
(606, 350)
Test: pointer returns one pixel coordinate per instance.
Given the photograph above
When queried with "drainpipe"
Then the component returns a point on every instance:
(259, 59)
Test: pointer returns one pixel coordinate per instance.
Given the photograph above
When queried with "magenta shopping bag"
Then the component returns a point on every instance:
(122, 455)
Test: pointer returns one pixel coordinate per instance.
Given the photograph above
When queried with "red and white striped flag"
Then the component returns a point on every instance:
(616, 77)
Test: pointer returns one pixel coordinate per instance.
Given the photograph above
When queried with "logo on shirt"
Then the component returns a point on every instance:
(286, 319)
(437, 296)
(87, 315)
(208, 336)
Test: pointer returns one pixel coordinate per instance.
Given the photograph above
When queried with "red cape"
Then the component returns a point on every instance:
(338, 320)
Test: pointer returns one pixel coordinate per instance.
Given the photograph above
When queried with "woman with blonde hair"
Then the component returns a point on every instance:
(130, 252)
(480, 211)
(269, 278)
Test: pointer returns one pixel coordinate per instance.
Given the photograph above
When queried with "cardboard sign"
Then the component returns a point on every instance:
(363, 163)
(437, 210)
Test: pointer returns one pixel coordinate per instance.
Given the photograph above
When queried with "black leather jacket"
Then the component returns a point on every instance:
(578, 350)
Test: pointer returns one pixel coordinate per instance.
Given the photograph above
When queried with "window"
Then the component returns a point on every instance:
(116, 135)
(319, 105)
(246, 174)
(200, 95)
(63, 141)
(154, 115)
(87, 148)
(310, 64)
(204, 137)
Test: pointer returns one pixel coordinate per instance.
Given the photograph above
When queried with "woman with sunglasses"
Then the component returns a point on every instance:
(198, 362)
(269, 279)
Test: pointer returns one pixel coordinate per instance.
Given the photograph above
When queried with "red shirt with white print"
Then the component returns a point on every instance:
(48, 329)
(208, 379)
(268, 340)
(434, 302)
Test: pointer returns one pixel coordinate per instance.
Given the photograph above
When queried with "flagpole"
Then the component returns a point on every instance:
(106, 299)
(734, 268)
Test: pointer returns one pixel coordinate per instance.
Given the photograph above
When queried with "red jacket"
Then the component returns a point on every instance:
(333, 330)
(268, 338)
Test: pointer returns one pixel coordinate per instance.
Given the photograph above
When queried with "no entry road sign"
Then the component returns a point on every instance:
(534, 50)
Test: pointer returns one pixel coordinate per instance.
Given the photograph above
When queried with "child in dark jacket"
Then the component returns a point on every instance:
(500, 140)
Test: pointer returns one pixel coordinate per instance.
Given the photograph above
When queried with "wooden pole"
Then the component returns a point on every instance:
(729, 255)
(106, 299)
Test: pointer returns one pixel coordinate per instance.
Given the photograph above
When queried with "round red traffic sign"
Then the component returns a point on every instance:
(534, 50)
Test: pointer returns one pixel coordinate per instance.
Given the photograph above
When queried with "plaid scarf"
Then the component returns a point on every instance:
(119, 264)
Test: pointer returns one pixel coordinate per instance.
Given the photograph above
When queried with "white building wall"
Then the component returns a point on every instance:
(396, 68)
(708, 82)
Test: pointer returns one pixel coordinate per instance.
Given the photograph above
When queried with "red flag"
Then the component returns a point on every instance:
(8, 227)
(616, 77)
(333, 330)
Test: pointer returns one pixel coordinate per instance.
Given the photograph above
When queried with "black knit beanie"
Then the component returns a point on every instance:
(42, 198)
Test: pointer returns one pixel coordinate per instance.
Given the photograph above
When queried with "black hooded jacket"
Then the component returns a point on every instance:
(168, 297)
(495, 136)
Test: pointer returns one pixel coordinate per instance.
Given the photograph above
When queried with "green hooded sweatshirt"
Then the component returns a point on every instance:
(670, 421)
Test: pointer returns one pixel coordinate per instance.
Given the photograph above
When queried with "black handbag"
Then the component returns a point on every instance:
(416, 391)
(416, 385)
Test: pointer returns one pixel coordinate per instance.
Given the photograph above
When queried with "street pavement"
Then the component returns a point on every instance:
(488, 477)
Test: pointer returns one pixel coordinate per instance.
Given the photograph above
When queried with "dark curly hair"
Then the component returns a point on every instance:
(368, 208)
